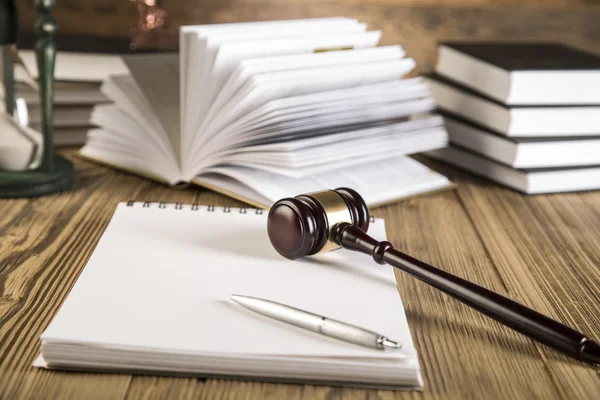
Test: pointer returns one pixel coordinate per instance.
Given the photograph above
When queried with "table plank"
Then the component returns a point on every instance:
(541, 250)
(45, 251)
(463, 353)
(545, 249)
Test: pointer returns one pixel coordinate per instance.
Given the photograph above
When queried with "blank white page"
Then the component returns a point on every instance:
(371, 178)
(160, 280)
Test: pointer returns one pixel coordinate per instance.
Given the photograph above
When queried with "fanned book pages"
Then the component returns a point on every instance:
(254, 110)
(154, 299)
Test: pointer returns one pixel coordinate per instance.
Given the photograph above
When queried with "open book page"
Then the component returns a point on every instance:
(312, 125)
(321, 104)
(127, 151)
(275, 85)
(304, 157)
(315, 141)
(315, 118)
(132, 136)
(128, 97)
(263, 188)
(123, 135)
(268, 87)
(228, 50)
(246, 69)
(201, 46)
(309, 162)
(195, 48)
(230, 53)
(157, 76)
(261, 88)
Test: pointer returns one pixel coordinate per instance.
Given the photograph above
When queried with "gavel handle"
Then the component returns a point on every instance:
(504, 310)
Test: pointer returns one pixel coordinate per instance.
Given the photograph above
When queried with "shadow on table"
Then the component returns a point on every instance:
(486, 337)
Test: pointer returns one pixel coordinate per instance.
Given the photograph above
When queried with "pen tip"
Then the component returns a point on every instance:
(391, 343)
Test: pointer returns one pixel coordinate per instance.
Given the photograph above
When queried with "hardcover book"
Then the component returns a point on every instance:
(526, 152)
(526, 180)
(518, 121)
(523, 73)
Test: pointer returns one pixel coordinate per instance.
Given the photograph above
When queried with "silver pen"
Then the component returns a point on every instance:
(316, 323)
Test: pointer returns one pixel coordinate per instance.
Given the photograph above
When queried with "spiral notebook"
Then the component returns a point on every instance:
(154, 299)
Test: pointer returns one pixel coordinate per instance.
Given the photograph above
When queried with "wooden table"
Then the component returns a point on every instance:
(543, 251)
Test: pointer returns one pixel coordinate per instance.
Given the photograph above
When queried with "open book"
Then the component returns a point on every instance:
(257, 110)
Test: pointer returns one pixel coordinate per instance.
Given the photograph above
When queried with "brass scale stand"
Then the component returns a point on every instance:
(55, 173)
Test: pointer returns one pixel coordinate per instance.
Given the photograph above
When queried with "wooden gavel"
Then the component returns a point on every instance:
(312, 223)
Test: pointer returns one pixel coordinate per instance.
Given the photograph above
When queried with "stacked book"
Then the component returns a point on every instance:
(72, 109)
(265, 110)
(524, 115)
(82, 64)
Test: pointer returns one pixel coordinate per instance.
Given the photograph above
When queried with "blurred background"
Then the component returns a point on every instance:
(415, 24)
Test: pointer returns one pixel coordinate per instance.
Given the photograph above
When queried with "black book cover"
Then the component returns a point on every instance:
(529, 56)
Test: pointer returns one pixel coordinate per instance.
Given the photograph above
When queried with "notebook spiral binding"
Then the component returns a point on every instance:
(208, 208)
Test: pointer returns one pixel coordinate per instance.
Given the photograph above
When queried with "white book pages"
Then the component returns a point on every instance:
(273, 113)
(123, 131)
(263, 88)
(353, 159)
(206, 45)
(192, 46)
(64, 97)
(332, 151)
(278, 85)
(223, 53)
(215, 71)
(62, 117)
(323, 126)
(383, 146)
(157, 76)
(229, 54)
(278, 124)
(248, 68)
(380, 88)
(371, 180)
(414, 124)
(365, 115)
(125, 158)
(321, 102)
(127, 96)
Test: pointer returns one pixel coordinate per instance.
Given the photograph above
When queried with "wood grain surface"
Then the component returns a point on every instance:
(543, 251)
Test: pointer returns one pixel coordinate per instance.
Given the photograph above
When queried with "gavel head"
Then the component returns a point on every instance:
(303, 225)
